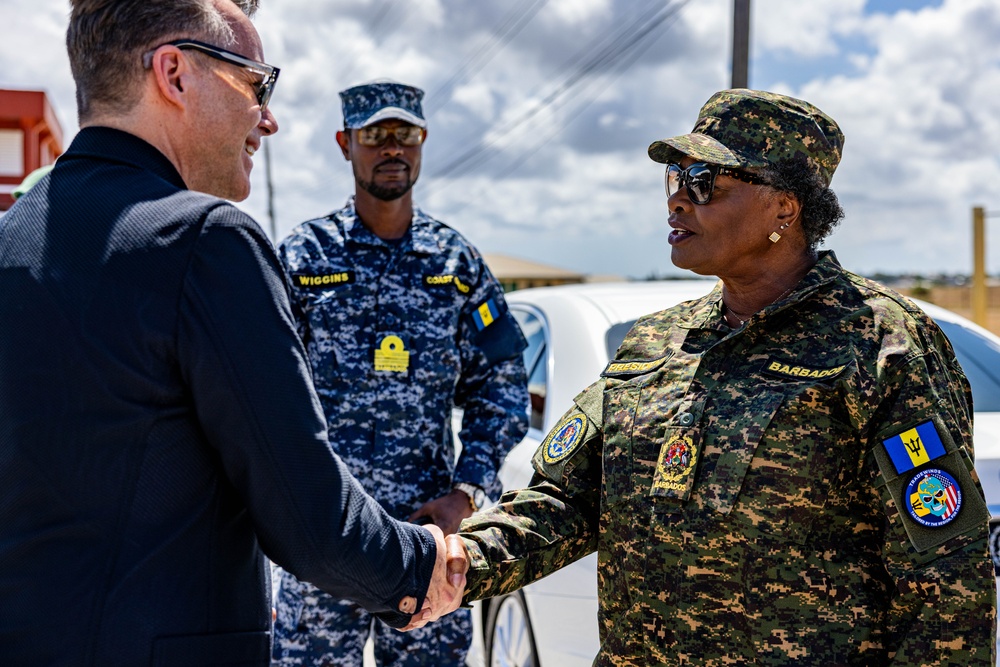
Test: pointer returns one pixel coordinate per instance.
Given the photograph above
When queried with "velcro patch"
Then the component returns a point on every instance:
(564, 438)
(791, 369)
(485, 314)
(914, 446)
(620, 367)
(933, 498)
(447, 280)
(323, 281)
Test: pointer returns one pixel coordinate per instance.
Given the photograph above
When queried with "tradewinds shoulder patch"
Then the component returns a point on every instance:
(322, 280)
(914, 447)
(933, 498)
(564, 438)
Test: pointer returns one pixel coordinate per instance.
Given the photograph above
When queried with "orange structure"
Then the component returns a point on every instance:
(30, 137)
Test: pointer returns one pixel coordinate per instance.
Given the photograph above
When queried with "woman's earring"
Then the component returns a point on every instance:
(775, 236)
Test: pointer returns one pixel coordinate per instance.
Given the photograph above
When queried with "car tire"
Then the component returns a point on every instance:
(510, 641)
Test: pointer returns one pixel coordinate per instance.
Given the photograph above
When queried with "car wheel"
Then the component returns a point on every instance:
(510, 641)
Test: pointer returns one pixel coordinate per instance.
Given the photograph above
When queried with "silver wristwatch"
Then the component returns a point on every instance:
(477, 497)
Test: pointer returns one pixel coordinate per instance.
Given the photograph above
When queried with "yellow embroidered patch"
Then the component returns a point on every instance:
(447, 280)
(392, 355)
(564, 438)
(325, 280)
(785, 369)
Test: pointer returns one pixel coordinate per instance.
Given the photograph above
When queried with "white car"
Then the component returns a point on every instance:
(572, 332)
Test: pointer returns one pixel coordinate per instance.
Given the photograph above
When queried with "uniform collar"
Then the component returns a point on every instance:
(422, 238)
(105, 143)
(707, 312)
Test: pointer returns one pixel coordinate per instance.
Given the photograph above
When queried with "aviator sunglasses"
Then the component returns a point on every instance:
(376, 135)
(268, 74)
(699, 179)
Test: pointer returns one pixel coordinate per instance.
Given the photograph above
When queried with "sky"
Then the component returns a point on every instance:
(540, 113)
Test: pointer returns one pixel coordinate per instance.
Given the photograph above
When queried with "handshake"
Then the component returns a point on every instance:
(444, 595)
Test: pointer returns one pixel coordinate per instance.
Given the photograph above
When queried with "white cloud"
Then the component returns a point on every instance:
(914, 91)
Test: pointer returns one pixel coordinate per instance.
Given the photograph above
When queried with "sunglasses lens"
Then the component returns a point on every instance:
(672, 179)
(373, 135)
(409, 135)
(700, 183)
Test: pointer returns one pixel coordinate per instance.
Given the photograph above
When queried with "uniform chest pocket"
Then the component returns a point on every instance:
(339, 341)
(779, 460)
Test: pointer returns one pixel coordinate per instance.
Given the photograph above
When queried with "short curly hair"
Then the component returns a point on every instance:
(821, 210)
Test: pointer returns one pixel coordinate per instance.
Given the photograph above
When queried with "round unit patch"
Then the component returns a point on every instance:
(933, 498)
(564, 438)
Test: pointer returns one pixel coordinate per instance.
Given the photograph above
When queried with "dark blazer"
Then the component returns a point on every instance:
(159, 432)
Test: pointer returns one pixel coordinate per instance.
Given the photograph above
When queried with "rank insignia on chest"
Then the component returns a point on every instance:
(933, 498)
(485, 314)
(675, 467)
(914, 447)
(564, 438)
(391, 355)
(323, 281)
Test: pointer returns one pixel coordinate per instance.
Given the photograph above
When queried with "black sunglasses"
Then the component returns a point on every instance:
(699, 179)
(376, 135)
(268, 73)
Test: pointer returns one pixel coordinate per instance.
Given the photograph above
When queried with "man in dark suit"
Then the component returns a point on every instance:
(159, 433)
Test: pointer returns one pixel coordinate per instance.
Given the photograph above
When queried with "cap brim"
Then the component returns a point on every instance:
(390, 113)
(699, 147)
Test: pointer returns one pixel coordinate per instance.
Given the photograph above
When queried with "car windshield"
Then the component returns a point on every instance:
(979, 356)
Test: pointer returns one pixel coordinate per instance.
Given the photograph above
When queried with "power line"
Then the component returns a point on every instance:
(511, 26)
(625, 40)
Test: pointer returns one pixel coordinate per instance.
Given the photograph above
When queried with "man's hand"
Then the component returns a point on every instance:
(444, 595)
(446, 512)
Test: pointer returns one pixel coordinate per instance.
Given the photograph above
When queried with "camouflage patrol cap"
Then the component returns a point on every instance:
(381, 100)
(744, 129)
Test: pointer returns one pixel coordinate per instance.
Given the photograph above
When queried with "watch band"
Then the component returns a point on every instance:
(471, 491)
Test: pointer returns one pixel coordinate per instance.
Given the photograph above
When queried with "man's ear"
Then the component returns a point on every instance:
(173, 74)
(344, 141)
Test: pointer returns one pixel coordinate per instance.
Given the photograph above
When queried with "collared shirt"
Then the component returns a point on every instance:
(397, 334)
(751, 492)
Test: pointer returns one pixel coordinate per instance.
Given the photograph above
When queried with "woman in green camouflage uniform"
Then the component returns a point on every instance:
(780, 472)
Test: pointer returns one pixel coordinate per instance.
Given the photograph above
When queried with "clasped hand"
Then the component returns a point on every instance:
(444, 595)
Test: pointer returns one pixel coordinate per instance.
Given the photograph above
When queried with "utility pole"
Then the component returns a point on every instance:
(270, 192)
(979, 265)
(741, 43)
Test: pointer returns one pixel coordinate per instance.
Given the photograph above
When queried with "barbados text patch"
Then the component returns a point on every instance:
(564, 438)
(447, 280)
(324, 280)
(784, 369)
(914, 447)
(933, 498)
(485, 314)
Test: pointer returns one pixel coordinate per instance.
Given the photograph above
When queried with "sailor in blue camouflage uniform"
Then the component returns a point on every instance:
(779, 473)
(402, 321)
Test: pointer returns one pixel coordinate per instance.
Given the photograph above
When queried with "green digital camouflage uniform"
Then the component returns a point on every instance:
(744, 491)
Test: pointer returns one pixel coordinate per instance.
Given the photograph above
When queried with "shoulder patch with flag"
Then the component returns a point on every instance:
(914, 447)
(485, 314)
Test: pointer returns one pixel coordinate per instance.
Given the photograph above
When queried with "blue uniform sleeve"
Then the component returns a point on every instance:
(493, 387)
(250, 380)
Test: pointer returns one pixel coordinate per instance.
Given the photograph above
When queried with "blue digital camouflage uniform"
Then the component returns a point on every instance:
(798, 491)
(397, 334)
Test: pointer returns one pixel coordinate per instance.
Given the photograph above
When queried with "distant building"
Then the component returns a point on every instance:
(30, 137)
(515, 273)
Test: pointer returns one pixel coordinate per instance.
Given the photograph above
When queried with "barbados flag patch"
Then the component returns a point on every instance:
(914, 447)
(485, 315)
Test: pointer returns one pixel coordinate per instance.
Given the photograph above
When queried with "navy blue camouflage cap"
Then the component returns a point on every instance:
(748, 129)
(381, 100)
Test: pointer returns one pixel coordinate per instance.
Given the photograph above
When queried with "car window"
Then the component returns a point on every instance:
(535, 363)
(980, 359)
(616, 334)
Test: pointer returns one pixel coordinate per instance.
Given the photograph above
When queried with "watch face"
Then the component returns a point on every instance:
(479, 497)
